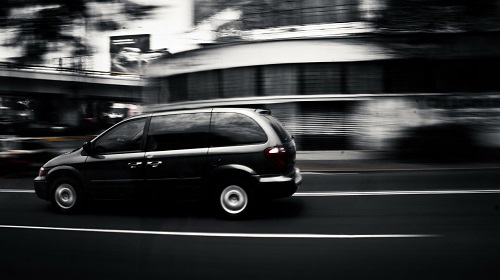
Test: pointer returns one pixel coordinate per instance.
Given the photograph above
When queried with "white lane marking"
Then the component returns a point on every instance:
(16, 191)
(347, 193)
(222, 234)
(379, 193)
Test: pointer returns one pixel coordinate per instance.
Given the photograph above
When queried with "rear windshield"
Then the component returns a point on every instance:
(278, 128)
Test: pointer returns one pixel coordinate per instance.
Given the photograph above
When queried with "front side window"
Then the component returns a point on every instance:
(176, 132)
(230, 129)
(126, 137)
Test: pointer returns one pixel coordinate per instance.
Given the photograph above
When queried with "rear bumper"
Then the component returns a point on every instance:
(279, 186)
(41, 187)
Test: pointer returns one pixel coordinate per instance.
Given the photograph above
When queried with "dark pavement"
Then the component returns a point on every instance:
(339, 226)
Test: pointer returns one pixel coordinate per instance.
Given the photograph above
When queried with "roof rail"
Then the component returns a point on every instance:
(263, 111)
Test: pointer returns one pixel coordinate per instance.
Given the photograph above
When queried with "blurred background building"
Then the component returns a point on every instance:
(346, 74)
(378, 75)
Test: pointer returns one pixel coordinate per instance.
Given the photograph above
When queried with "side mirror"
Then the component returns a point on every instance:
(87, 147)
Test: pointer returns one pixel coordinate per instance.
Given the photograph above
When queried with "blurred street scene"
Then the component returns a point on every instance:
(364, 81)
(394, 107)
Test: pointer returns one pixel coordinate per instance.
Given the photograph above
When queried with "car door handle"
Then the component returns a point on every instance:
(154, 163)
(134, 164)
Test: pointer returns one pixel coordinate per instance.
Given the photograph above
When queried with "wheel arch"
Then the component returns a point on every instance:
(62, 171)
(231, 172)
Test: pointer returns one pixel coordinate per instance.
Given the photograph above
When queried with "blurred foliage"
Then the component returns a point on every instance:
(439, 16)
(40, 26)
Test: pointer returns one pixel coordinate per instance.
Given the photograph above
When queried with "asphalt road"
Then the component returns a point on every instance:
(373, 225)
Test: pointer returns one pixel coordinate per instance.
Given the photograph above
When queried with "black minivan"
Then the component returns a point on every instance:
(233, 157)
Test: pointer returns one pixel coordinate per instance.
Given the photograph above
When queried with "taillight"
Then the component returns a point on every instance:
(277, 155)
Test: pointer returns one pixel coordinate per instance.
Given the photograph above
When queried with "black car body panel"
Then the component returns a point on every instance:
(181, 155)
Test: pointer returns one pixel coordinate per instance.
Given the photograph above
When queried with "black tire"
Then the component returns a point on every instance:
(66, 195)
(233, 200)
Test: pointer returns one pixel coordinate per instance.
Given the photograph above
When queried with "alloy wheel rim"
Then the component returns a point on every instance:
(65, 196)
(234, 199)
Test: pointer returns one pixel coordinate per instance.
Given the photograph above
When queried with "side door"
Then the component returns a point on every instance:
(176, 154)
(115, 167)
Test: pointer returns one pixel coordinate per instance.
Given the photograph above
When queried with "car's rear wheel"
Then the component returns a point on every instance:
(67, 196)
(234, 200)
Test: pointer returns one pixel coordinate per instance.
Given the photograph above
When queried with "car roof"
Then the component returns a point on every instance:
(206, 110)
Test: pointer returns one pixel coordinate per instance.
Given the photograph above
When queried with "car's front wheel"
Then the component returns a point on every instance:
(67, 196)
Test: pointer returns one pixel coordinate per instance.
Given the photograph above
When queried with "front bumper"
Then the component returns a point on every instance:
(41, 187)
(279, 186)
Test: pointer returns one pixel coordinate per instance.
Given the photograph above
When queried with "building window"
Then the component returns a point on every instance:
(283, 13)
(280, 79)
(364, 78)
(321, 78)
(203, 85)
(409, 76)
(177, 87)
(239, 82)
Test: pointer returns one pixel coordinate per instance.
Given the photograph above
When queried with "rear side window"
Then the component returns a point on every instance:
(229, 129)
(176, 132)
(278, 128)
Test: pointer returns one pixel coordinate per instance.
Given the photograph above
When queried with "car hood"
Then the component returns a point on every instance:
(68, 158)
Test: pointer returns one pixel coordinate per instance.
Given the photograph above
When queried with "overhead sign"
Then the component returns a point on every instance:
(126, 52)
